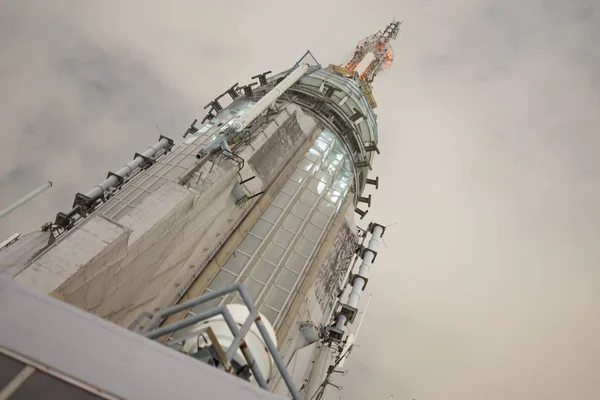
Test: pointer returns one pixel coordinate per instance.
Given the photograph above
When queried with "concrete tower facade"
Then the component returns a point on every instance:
(263, 191)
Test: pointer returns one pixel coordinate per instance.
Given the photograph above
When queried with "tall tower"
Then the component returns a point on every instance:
(261, 194)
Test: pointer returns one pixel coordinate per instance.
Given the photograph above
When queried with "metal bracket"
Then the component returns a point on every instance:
(247, 180)
(83, 201)
(357, 117)
(208, 117)
(248, 89)
(232, 91)
(330, 91)
(171, 142)
(361, 212)
(354, 276)
(334, 333)
(148, 162)
(232, 156)
(372, 147)
(192, 129)
(363, 164)
(360, 251)
(365, 200)
(120, 179)
(62, 220)
(349, 312)
(255, 195)
(215, 106)
(374, 182)
(372, 226)
(262, 78)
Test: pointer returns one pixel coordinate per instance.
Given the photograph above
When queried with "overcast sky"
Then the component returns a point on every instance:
(489, 125)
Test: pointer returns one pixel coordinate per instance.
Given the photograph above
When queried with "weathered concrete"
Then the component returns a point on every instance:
(16, 257)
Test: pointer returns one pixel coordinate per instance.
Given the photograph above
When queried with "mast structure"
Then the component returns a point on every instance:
(374, 53)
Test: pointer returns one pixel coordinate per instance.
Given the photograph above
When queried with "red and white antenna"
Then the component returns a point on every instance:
(374, 53)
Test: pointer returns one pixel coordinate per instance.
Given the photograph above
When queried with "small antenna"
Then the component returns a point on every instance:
(383, 240)
(363, 317)
(159, 131)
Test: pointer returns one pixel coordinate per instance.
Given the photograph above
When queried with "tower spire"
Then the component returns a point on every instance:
(374, 53)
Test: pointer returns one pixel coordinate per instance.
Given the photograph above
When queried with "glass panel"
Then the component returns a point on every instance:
(323, 176)
(326, 136)
(276, 298)
(249, 244)
(316, 186)
(340, 185)
(261, 228)
(271, 315)
(282, 199)
(205, 127)
(305, 165)
(312, 232)
(287, 279)
(319, 219)
(308, 197)
(320, 145)
(301, 210)
(332, 167)
(296, 262)
(333, 196)
(273, 253)
(290, 187)
(262, 271)
(272, 213)
(304, 247)
(326, 207)
(236, 262)
(312, 155)
(292, 223)
(283, 237)
(222, 279)
(298, 176)
(254, 288)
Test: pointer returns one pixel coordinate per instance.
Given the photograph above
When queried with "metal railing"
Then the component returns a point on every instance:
(153, 331)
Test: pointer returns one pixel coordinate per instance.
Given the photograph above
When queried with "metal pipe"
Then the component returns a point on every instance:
(278, 361)
(112, 180)
(220, 310)
(359, 282)
(268, 99)
(187, 305)
(271, 346)
(184, 323)
(25, 199)
(235, 344)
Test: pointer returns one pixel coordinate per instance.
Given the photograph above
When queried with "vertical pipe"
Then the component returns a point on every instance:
(359, 283)
(25, 199)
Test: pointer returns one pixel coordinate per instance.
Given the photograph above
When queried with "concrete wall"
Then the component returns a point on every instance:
(144, 257)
